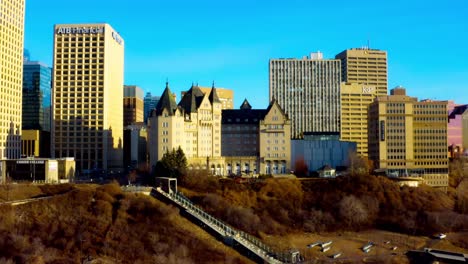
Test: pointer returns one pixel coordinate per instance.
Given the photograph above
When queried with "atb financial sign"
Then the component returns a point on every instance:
(80, 30)
(88, 30)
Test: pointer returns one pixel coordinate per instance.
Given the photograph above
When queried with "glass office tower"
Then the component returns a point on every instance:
(36, 96)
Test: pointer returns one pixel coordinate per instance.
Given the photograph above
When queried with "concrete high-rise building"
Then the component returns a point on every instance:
(87, 95)
(150, 103)
(365, 66)
(355, 101)
(11, 76)
(409, 138)
(309, 92)
(133, 105)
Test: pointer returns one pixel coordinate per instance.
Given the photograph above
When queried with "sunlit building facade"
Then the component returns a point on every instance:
(409, 138)
(365, 66)
(11, 76)
(194, 125)
(87, 95)
(226, 96)
(275, 141)
(355, 101)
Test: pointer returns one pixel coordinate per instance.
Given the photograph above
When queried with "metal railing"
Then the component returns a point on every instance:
(248, 241)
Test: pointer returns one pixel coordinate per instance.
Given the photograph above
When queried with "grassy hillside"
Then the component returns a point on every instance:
(103, 224)
(283, 206)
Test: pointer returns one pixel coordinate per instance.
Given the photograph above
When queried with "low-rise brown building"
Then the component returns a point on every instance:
(39, 170)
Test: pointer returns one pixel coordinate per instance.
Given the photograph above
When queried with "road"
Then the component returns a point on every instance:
(25, 201)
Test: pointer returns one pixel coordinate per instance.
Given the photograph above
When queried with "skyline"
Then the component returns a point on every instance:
(232, 43)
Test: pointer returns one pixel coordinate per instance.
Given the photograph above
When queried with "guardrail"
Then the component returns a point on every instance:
(24, 201)
(131, 188)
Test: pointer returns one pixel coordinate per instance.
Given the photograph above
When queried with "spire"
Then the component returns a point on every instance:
(214, 95)
(191, 100)
(246, 105)
(167, 102)
(167, 83)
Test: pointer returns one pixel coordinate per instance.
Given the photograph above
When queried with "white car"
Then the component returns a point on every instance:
(441, 236)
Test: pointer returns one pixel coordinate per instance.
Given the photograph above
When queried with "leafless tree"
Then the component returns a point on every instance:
(462, 197)
(358, 165)
(457, 172)
(353, 211)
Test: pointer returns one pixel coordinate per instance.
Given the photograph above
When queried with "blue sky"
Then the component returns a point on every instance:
(231, 42)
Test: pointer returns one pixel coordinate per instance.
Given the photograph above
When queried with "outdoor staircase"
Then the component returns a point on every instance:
(231, 236)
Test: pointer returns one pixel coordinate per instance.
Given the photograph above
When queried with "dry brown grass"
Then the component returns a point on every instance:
(107, 225)
(9, 192)
(13, 191)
